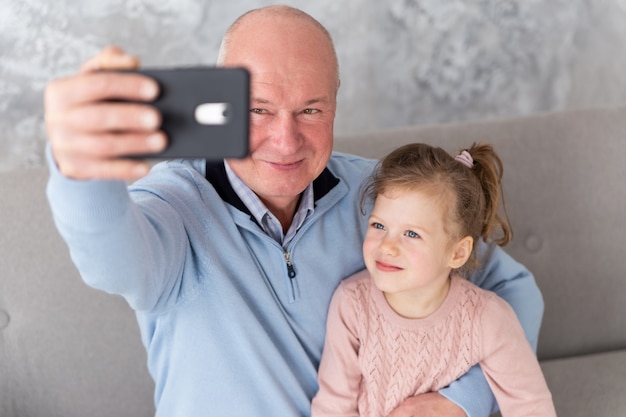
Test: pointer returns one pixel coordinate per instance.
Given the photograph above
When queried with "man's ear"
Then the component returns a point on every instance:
(461, 252)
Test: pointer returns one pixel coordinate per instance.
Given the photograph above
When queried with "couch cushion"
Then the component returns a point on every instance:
(592, 385)
(589, 385)
(65, 349)
(564, 188)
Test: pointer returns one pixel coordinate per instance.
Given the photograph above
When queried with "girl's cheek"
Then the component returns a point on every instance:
(368, 247)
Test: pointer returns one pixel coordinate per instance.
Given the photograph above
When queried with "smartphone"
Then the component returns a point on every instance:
(205, 112)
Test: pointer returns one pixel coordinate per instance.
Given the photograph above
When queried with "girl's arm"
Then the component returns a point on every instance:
(510, 364)
(509, 279)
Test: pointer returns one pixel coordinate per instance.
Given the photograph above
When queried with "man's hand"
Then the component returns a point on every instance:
(89, 131)
(431, 404)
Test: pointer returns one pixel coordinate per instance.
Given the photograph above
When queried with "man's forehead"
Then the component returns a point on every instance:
(305, 87)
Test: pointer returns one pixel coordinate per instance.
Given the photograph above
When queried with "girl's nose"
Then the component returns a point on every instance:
(388, 245)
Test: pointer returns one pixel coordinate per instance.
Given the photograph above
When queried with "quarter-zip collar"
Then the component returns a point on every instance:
(216, 175)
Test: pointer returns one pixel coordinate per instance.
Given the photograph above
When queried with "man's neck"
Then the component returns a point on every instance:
(284, 209)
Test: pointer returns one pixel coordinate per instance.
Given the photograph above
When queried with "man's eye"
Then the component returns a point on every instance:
(411, 234)
(311, 111)
(257, 111)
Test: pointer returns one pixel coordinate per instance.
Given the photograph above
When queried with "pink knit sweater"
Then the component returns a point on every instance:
(374, 359)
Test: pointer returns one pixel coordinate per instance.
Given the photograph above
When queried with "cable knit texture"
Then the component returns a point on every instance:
(374, 359)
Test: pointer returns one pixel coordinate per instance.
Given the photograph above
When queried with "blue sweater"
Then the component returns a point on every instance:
(227, 330)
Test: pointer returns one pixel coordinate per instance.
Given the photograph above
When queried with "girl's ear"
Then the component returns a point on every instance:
(461, 252)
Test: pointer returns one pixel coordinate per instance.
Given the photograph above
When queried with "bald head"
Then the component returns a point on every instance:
(278, 27)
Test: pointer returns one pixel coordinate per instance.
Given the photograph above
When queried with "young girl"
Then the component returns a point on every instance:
(410, 323)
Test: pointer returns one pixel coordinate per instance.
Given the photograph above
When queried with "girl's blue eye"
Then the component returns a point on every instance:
(411, 234)
(377, 225)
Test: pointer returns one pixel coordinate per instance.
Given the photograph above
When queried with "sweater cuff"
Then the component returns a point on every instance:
(471, 392)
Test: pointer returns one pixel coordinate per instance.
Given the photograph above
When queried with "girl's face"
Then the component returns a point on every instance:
(408, 252)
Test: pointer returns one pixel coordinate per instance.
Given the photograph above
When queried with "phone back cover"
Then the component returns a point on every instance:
(182, 91)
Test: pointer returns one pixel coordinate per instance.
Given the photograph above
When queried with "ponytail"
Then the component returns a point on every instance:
(487, 167)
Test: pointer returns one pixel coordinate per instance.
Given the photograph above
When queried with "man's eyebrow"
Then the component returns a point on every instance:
(259, 100)
(322, 99)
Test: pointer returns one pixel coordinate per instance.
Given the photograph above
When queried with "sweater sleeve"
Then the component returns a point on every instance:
(117, 246)
(510, 280)
(339, 374)
(510, 365)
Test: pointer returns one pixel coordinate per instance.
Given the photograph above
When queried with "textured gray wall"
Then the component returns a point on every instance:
(402, 62)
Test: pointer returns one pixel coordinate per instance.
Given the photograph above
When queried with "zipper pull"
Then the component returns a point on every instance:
(290, 269)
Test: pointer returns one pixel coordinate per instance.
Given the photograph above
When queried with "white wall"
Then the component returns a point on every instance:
(402, 61)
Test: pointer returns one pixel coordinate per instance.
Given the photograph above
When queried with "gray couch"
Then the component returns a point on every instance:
(67, 350)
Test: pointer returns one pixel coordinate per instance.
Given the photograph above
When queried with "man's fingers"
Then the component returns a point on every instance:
(110, 58)
(99, 80)
(106, 116)
(68, 92)
(77, 146)
(86, 157)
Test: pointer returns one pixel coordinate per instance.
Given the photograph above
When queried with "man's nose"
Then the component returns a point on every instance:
(286, 134)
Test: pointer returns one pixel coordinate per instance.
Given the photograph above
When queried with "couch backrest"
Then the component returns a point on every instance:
(565, 193)
(65, 349)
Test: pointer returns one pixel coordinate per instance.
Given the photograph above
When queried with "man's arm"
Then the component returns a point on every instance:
(118, 246)
(470, 395)
(92, 119)
(339, 374)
